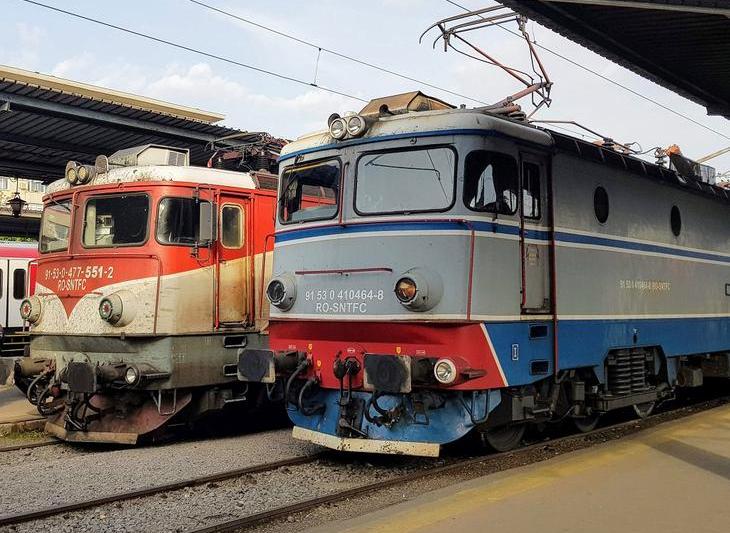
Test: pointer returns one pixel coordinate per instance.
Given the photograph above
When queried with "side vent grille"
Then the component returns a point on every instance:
(626, 372)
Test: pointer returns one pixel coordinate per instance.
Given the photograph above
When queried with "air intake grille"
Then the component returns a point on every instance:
(626, 372)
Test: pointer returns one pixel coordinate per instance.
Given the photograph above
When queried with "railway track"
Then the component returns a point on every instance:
(252, 520)
(30, 445)
(20, 518)
(583, 440)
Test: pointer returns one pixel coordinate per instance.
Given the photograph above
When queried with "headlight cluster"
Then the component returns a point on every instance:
(350, 125)
(282, 291)
(78, 174)
(30, 309)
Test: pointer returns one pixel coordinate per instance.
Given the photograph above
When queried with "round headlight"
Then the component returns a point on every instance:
(82, 174)
(276, 292)
(30, 309)
(445, 371)
(119, 308)
(131, 376)
(405, 290)
(72, 175)
(282, 291)
(338, 128)
(356, 125)
(106, 309)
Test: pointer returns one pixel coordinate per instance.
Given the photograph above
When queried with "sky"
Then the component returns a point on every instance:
(381, 32)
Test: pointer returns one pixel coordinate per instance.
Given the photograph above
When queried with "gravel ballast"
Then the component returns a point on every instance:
(57, 475)
(192, 507)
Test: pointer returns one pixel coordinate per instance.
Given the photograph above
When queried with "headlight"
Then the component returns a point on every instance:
(338, 128)
(445, 371)
(282, 291)
(30, 309)
(82, 173)
(356, 125)
(72, 173)
(106, 310)
(131, 376)
(419, 289)
(118, 309)
(405, 290)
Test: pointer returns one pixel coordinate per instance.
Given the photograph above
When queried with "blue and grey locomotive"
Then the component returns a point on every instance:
(442, 270)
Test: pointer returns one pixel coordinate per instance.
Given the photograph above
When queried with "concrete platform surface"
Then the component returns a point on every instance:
(15, 410)
(673, 478)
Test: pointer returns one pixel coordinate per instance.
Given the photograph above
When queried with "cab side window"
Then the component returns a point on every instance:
(232, 226)
(530, 190)
(491, 182)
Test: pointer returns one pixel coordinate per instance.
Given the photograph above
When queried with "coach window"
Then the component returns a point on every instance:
(55, 225)
(675, 218)
(600, 204)
(491, 182)
(405, 181)
(530, 190)
(119, 220)
(310, 191)
(178, 221)
(19, 283)
(231, 226)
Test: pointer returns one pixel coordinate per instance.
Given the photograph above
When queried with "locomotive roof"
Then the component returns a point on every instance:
(188, 174)
(424, 122)
(474, 121)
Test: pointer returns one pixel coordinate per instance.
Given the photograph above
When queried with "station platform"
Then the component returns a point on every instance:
(672, 478)
(16, 414)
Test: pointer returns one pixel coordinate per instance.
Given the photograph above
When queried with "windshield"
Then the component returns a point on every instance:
(55, 227)
(116, 220)
(310, 192)
(406, 181)
(178, 221)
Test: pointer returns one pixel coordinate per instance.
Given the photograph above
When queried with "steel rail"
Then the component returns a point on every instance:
(30, 445)
(7, 520)
(248, 521)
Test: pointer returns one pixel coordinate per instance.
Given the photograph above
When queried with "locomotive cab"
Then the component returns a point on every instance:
(148, 283)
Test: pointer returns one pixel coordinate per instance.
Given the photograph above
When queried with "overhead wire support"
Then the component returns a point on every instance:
(607, 79)
(335, 53)
(192, 50)
(537, 87)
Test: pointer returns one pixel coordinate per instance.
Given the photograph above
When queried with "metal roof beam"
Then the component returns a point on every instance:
(14, 167)
(80, 114)
(38, 142)
(723, 11)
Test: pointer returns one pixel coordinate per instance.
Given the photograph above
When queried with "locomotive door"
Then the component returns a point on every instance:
(534, 247)
(234, 262)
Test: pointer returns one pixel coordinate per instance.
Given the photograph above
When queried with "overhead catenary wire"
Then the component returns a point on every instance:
(193, 50)
(335, 53)
(606, 78)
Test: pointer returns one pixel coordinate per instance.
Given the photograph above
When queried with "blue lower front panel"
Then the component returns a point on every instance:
(446, 423)
(585, 343)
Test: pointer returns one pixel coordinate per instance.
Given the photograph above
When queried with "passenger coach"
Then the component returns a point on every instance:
(465, 270)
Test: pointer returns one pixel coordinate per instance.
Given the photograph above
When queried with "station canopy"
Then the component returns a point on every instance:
(683, 45)
(46, 121)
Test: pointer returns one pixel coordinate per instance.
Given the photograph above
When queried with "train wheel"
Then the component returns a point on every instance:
(504, 438)
(588, 423)
(643, 410)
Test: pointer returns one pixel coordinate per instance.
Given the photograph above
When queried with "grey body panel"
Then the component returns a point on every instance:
(192, 360)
